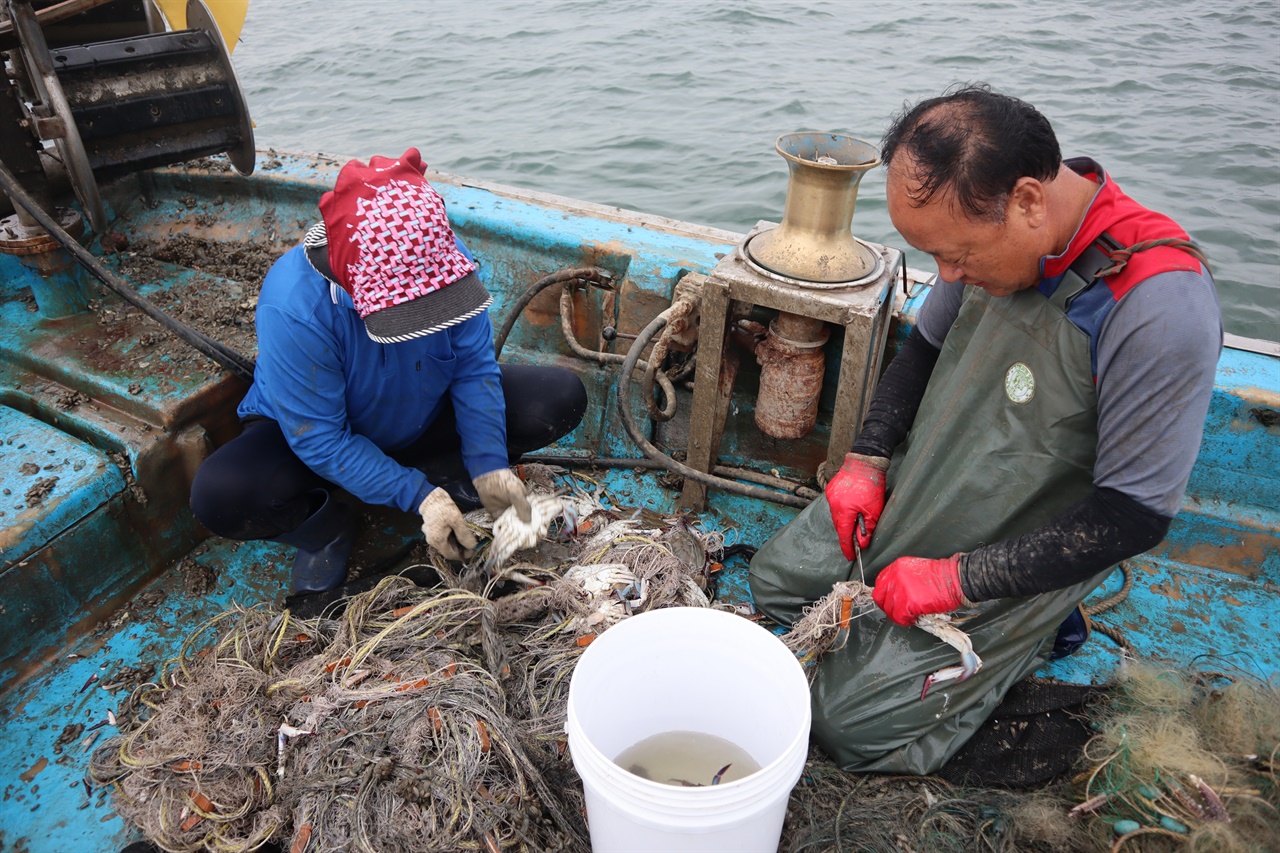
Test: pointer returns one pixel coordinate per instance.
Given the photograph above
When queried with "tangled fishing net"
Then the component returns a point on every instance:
(1183, 761)
(1186, 761)
(414, 719)
(832, 811)
(381, 730)
(433, 719)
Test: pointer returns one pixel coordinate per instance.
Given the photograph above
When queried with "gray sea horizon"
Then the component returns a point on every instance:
(673, 108)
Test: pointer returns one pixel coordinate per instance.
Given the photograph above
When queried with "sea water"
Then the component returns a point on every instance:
(687, 759)
(673, 108)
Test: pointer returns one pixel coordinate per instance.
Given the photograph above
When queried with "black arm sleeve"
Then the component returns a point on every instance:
(897, 397)
(1100, 531)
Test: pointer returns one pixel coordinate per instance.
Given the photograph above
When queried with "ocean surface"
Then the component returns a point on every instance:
(673, 107)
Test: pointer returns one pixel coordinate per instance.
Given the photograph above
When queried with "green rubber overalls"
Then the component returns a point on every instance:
(1004, 439)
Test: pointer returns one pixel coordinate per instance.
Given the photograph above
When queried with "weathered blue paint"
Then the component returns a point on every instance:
(1239, 455)
(1185, 615)
(43, 586)
(50, 811)
(60, 286)
(83, 478)
(1210, 589)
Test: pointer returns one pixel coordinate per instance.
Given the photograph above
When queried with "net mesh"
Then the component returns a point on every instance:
(415, 718)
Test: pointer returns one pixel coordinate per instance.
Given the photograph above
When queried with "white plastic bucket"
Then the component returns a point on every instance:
(687, 669)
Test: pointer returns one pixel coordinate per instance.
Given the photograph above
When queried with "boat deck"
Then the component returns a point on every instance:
(1175, 612)
(104, 572)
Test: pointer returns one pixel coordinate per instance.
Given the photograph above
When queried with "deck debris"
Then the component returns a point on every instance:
(70, 733)
(283, 735)
(434, 718)
(37, 493)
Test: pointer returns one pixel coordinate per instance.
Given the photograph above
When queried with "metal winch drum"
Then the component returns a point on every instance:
(122, 105)
(84, 111)
(813, 245)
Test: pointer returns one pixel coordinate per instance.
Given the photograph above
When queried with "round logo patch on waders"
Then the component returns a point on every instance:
(1019, 384)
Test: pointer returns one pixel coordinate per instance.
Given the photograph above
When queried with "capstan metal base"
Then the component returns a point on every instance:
(863, 311)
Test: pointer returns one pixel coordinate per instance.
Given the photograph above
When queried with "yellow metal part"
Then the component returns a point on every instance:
(228, 14)
(813, 242)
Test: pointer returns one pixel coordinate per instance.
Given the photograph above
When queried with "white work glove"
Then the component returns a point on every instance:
(501, 489)
(443, 526)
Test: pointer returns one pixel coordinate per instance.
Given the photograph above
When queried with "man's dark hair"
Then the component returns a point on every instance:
(976, 142)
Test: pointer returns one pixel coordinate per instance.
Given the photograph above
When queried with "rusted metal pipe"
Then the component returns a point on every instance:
(792, 364)
(668, 409)
(647, 447)
(750, 475)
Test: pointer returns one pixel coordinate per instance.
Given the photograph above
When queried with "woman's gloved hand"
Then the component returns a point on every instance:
(857, 489)
(910, 587)
(501, 489)
(443, 527)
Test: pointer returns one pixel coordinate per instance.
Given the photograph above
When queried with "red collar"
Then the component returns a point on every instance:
(1128, 223)
(1096, 218)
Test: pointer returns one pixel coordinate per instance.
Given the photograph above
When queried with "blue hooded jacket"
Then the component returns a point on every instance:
(344, 401)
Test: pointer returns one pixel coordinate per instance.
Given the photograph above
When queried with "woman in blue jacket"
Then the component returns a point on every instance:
(376, 374)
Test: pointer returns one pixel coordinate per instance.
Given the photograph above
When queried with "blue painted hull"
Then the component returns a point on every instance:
(94, 580)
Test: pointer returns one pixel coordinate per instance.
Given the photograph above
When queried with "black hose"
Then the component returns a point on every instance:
(792, 486)
(589, 274)
(566, 461)
(647, 447)
(238, 364)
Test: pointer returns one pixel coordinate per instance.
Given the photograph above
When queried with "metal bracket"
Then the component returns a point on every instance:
(864, 312)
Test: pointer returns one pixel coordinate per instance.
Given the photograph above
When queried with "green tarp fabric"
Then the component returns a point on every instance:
(1004, 440)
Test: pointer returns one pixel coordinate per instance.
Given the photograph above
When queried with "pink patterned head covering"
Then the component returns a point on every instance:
(391, 247)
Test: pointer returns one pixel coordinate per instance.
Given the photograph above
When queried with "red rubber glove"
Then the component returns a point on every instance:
(857, 490)
(910, 587)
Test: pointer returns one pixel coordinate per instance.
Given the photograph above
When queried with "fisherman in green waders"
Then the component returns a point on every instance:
(1037, 427)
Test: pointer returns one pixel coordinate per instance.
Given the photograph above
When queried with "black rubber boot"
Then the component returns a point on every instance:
(324, 543)
(449, 474)
(1072, 634)
(464, 494)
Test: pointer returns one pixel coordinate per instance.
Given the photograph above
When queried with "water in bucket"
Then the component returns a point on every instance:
(687, 759)
(682, 670)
